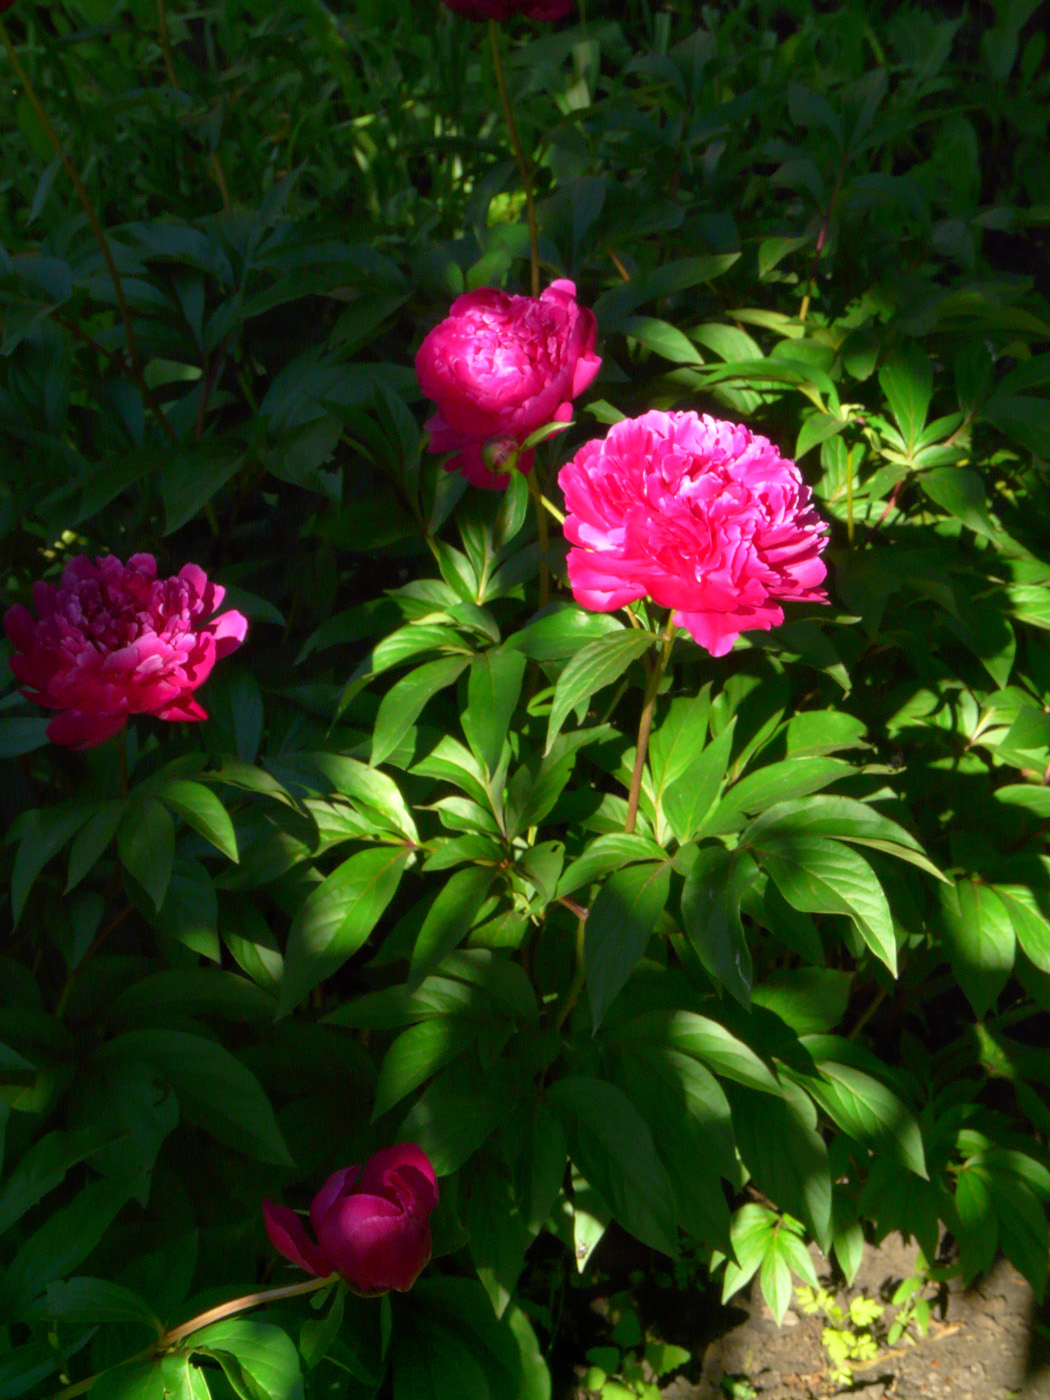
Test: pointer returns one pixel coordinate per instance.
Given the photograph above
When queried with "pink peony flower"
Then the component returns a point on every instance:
(507, 9)
(501, 366)
(113, 640)
(702, 516)
(371, 1222)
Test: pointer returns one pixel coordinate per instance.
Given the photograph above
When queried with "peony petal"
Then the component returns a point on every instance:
(407, 1170)
(75, 730)
(229, 631)
(184, 709)
(374, 1245)
(288, 1236)
(338, 1184)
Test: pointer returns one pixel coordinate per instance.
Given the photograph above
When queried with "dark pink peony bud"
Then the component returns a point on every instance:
(507, 9)
(113, 640)
(372, 1223)
(501, 366)
(702, 516)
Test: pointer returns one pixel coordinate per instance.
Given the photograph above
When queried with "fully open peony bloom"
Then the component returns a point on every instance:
(371, 1222)
(507, 9)
(114, 640)
(501, 366)
(702, 516)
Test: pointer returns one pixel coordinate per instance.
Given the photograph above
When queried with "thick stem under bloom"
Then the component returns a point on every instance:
(519, 156)
(645, 725)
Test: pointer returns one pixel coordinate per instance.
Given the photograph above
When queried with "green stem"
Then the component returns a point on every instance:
(96, 228)
(541, 531)
(519, 156)
(645, 725)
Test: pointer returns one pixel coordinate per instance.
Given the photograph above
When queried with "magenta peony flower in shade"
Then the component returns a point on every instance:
(371, 1222)
(501, 366)
(114, 640)
(702, 516)
(507, 9)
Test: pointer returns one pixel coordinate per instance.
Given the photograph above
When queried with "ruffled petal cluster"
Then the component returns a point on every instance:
(371, 1223)
(702, 516)
(507, 9)
(113, 640)
(501, 366)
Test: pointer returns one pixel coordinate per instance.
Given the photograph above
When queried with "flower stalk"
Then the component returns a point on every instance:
(645, 724)
(519, 156)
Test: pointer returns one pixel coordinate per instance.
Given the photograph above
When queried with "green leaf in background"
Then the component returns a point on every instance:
(819, 876)
(214, 1089)
(492, 693)
(711, 899)
(618, 928)
(337, 917)
(781, 1147)
(43, 833)
(19, 736)
(44, 1166)
(599, 664)
(401, 706)
(979, 940)
(146, 844)
(60, 1244)
(869, 1113)
(612, 1146)
(459, 1109)
(449, 919)
(93, 1300)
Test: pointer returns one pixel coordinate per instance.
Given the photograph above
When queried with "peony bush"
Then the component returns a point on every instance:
(610, 809)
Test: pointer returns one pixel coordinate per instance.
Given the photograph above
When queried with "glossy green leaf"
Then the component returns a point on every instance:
(416, 1055)
(449, 919)
(618, 928)
(492, 694)
(598, 664)
(146, 844)
(979, 940)
(337, 917)
(711, 899)
(201, 809)
(403, 703)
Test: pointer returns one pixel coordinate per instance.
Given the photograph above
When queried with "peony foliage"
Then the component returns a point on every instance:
(526, 674)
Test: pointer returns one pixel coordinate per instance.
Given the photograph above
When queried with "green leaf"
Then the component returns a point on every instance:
(44, 1166)
(560, 633)
(199, 806)
(92, 840)
(706, 1040)
(22, 735)
(775, 783)
(819, 876)
(135, 1380)
(808, 999)
(711, 899)
(1030, 925)
(213, 1088)
(618, 928)
(979, 939)
(599, 664)
(907, 382)
(1022, 1230)
(611, 1144)
(662, 338)
(336, 918)
(752, 1233)
(146, 843)
(401, 706)
(90, 1300)
(492, 693)
(499, 1236)
(869, 1113)
(449, 919)
(977, 1230)
(846, 819)
(459, 1109)
(23, 1367)
(960, 492)
(688, 798)
(775, 1281)
(417, 1054)
(689, 1117)
(368, 786)
(42, 834)
(779, 1143)
(60, 1244)
(260, 1361)
(612, 851)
